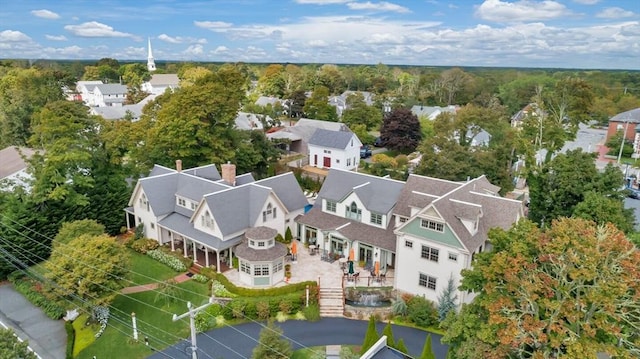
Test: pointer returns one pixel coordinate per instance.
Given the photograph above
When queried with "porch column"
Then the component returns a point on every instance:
(231, 257)
(195, 253)
(184, 245)
(127, 216)
(218, 261)
(206, 257)
(173, 243)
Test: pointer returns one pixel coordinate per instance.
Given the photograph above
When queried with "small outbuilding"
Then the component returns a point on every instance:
(260, 257)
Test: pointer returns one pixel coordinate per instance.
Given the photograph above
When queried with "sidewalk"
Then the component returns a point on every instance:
(46, 337)
(151, 286)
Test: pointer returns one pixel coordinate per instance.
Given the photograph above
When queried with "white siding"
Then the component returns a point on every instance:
(146, 216)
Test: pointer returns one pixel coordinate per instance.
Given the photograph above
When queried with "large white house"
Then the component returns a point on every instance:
(441, 225)
(159, 83)
(334, 149)
(205, 215)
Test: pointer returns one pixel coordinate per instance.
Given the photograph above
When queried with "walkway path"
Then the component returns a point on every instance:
(46, 337)
(151, 286)
(239, 341)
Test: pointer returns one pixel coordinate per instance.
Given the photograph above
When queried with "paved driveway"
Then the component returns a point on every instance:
(241, 339)
(46, 337)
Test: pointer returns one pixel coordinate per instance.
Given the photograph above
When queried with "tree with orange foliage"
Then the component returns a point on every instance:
(569, 291)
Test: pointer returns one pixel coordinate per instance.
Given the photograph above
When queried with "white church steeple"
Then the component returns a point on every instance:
(151, 65)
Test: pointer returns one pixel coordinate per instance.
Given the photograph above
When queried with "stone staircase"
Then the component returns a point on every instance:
(331, 301)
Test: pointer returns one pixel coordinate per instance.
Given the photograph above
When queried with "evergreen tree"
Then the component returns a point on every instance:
(447, 300)
(371, 337)
(271, 345)
(389, 333)
(401, 346)
(427, 351)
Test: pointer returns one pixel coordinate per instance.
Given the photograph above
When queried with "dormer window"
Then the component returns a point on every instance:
(353, 212)
(432, 225)
(207, 221)
(144, 202)
(270, 212)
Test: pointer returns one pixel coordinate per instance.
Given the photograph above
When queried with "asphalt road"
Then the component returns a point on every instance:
(239, 341)
(46, 337)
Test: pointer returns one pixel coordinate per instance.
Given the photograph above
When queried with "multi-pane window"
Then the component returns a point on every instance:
(331, 206)
(267, 213)
(261, 270)
(376, 218)
(261, 244)
(348, 161)
(182, 202)
(408, 244)
(277, 267)
(430, 253)
(353, 212)
(427, 281)
(453, 257)
(143, 202)
(403, 219)
(245, 267)
(207, 221)
(432, 225)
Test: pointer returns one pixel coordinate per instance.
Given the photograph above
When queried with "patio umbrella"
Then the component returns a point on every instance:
(376, 269)
(351, 268)
(352, 254)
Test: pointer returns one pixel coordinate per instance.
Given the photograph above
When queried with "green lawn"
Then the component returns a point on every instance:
(154, 321)
(143, 267)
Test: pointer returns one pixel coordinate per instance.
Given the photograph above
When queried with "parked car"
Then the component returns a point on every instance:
(378, 142)
(633, 193)
(365, 151)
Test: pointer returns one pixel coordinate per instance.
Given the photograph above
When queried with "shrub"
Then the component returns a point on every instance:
(218, 290)
(422, 312)
(167, 259)
(399, 307)
(312, 312)
(101, 315)
(269, 292)
(209, 272)
(25, 286)
(200, 278)
(144, 245)
(71, 339)
(288, 237)
(284, 306)
(206, 319)
(262, 309)
(138, 233)
(279, 238)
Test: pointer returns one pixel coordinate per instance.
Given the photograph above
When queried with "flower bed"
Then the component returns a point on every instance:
(167, 259)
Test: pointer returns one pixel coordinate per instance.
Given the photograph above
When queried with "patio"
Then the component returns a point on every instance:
(311, 267)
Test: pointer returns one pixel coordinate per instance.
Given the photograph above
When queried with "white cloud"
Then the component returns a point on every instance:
(95, 29)
(45, 14)
(520, 11)
(221, 50)
(194, 50)
(381, 6)
(13, 36)
(587, 2)
(614, 13)
(212, 25)
(181, 40)
(56, 38)
(322, 2)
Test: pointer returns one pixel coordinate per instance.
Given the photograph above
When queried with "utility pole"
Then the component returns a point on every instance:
(192, 316)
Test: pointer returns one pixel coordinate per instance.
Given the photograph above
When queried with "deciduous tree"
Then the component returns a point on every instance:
(89, 267)
(401, 130)
(571, 291)
(11, 347)
(317, 106)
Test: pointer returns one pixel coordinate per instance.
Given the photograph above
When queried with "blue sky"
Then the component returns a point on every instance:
(602, 34)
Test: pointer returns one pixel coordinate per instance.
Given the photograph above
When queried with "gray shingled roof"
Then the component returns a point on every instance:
(496, 211)
(236, 208)
(160, 170)
(209, 172)
(195, 188)
(111, 89)
(180, 224)
(11, 160)
(161, 192)
(632, 116)
(243, 251)
(357, 231)
(429, 185)
(331, 139)
(377, 194)
(286, 187)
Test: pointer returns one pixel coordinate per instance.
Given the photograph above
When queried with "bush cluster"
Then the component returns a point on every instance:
(262, 307)
(271, 292)
(25, 286)
(167, 259)
(218, 290)
(200, 278)
(144, 245)
(422, 311)
(206, 319)
(101, 315)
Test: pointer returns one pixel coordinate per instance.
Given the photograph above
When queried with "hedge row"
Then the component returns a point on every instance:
(25, 286)
(268, 292)
(263, 307)
(71, 338)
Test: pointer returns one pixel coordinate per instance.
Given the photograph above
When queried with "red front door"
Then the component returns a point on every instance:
(327, 162)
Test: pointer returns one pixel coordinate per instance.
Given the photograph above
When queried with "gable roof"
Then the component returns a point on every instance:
(286, 187)
(632, 116)
(111, 89)
(164, 80)
(331, 139)
(327, 125)
(420, 191)
(235, 209)
(378, 194)
(265, 100)
(12, 161)
(209, 172)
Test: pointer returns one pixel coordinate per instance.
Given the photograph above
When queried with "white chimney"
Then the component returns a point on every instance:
(179, 165)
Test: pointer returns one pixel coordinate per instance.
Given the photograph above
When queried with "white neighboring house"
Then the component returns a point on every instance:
(431, 112)
(205, 215)
(250, 121)
(442, 224)
(13, 168)
(159, 83)
(334, 149)
(121, 112)
(85, 89)
(109, 95)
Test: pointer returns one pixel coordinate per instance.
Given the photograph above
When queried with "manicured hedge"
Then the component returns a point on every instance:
(71, 338)
(269, 292)
(262, 307)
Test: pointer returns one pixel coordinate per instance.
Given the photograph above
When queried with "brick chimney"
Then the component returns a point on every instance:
(179, 165)
(229, 173)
